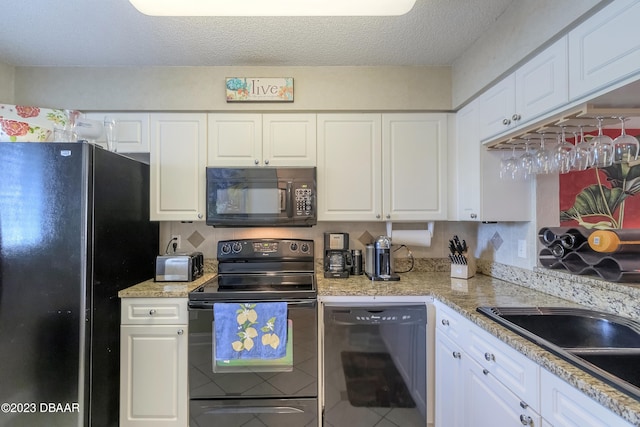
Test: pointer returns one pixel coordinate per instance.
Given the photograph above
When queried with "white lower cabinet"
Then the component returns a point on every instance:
(564, 406)
(481, 381)
(153, 362)
(487, 402)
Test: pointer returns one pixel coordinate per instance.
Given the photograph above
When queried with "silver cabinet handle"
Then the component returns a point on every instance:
(457, 355)
(474, 216)
(388, 216)
(256, 161)
(506, 122)
(516, 117)
(445, 322)
(378, 216)
(523, 405)
(266, 162)
(489, 357)
(485, 371)
(180, 331)
(152, 312)
(526, 420)
(199, 216)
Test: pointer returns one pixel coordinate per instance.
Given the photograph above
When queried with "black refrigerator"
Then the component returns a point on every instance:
(74, 230)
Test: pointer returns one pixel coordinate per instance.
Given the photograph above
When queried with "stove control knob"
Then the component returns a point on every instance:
(293, 247)
(225, 249)
(304, 248)
(237, 247)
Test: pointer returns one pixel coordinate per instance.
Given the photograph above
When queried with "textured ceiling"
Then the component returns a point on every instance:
(113, 33)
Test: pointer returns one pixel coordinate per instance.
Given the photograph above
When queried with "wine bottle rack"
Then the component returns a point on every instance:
(580, 259)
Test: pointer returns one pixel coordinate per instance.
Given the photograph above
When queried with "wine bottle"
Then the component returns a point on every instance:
(572, 239)
(609, 241)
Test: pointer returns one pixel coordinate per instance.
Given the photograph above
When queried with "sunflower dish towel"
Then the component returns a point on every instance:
(250, 330)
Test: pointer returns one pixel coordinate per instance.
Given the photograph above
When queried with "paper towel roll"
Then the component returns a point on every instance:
(410, 237)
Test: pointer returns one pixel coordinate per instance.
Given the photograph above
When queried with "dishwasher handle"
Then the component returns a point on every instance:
(375, 316)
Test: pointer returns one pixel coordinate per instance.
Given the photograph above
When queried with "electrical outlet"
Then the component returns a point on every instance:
(176, 238)
(522, 248)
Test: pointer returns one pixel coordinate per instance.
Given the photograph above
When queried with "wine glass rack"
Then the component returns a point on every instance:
(583, 116)
(568, 248)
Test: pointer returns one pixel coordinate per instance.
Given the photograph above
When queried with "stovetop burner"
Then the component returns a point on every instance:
(261, 269)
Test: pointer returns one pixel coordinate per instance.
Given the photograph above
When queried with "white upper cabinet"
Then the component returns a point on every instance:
(535, 88)
(133, 131)
(414, 158)
(480, 194)
(349, 167)
(236, 140)
(388, 167)
(177, 168)
(289, 139)
(605, 48)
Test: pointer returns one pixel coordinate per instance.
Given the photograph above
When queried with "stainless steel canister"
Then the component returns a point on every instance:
(369, 260)
(356, 262)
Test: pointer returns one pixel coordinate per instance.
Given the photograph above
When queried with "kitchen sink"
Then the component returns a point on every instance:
(603, 344)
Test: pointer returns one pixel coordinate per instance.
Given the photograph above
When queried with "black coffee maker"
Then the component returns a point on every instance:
(337, 257)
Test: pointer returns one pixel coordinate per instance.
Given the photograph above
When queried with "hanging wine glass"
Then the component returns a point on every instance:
(601, 148)
(508, 165)
(625, 147)
(544, 158)
(581, 157)
(562, 153)
(527, 162)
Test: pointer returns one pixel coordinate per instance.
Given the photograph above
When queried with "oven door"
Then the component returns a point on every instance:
(298, 380)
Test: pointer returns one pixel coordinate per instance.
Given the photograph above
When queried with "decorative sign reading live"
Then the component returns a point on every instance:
(259, 89)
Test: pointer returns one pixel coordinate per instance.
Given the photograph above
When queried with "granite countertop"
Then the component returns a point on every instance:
(153, 289)
(464, 296)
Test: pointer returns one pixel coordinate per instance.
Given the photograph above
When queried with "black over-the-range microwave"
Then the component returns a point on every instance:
(261, 197)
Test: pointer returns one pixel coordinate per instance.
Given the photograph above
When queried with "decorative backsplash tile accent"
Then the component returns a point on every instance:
(496, 240)
(196, 239)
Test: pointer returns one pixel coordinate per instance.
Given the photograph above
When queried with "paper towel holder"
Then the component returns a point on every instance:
(427, 234)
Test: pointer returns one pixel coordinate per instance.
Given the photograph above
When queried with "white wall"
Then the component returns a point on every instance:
(203, 88)
(525, 26)
(7, 74)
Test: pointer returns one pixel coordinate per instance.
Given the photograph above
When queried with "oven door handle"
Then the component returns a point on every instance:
(255, 410)
(208, 305)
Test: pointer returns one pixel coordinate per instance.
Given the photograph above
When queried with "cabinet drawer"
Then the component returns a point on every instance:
(449, 323)
(156, 311)
(518, 373)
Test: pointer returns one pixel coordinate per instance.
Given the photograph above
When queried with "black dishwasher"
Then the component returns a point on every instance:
(375, 365)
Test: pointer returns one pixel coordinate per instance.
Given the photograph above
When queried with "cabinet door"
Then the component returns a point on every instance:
(349, 167)
(289, 139)
(487, 403)
(153, 376)
(449, 403)
(497, 107)
(542, 84)
(564, 406)
(178, 154)
(414, 156)
(604, 49)
(133, 131)
(481, 195)
(234, 140)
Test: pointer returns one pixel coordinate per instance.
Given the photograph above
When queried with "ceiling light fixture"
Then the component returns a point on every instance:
(273, 7)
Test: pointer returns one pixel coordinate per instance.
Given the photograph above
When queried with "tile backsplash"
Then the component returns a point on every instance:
(197, 236)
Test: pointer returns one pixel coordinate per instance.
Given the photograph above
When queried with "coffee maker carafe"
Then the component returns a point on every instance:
(383, 260)
(337, 257)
